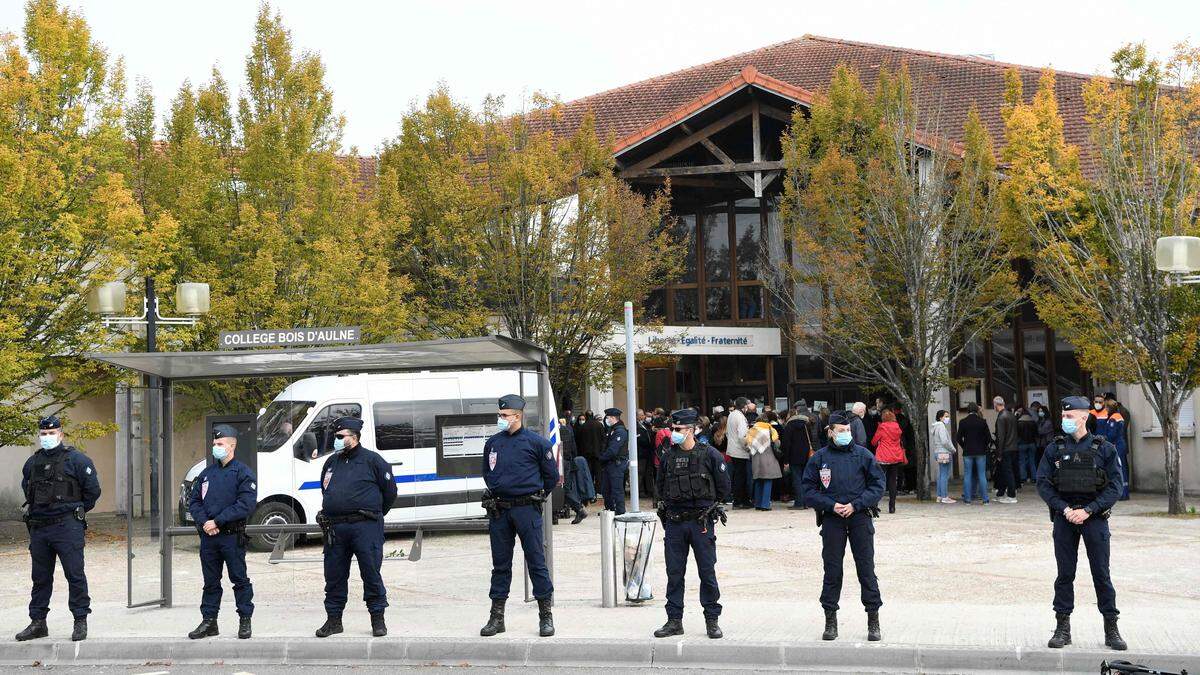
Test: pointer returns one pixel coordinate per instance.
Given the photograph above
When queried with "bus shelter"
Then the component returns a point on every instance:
(151, 475)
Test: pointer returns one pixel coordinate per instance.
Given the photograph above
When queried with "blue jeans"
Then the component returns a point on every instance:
(975, 469)
(1027, 460)
(943, 480)
(762, 493)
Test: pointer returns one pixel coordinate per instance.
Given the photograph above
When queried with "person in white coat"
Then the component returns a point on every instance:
(942, 450)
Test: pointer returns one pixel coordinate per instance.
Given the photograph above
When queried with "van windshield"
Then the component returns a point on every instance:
(278, 421)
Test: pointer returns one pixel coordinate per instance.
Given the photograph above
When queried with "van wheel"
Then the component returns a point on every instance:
(271, 513)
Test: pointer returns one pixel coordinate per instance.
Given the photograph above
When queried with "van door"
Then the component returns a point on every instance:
(435, 496)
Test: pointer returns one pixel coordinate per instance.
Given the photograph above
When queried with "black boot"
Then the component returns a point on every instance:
(1062, 632)
(207, 628)
(714, 630)
(244, 628)
(579, 516)
(873, 634)
(1112, 636)
(495, 622)
(830, 625)
(671, 627)
(79, 632)
(333, 625)
(378, 627)
(545, 617)
(35, 629)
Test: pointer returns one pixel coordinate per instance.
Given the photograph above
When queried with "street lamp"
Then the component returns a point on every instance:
(1179, 257)
(191, 299)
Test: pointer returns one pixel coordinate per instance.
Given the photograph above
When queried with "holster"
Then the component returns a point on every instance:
(81, 515)
(326, 527)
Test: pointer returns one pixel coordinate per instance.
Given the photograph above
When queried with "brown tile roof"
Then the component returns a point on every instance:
(953, 83)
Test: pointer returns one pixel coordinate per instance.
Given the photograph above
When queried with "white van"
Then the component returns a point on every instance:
(400, 414)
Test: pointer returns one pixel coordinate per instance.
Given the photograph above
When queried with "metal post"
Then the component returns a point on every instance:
(548, 505)
(152, 382)
(631, 406)
(165, 506)
(608, 579)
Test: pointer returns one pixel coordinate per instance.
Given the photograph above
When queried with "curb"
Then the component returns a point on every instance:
(568, 652)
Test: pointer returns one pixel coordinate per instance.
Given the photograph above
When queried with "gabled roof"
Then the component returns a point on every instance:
(805, 65)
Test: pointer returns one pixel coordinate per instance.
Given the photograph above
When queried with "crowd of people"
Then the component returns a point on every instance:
(767, 449)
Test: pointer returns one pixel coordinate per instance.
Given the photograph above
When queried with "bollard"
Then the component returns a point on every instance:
(608, 578)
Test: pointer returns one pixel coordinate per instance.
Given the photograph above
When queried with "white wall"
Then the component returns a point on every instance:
(1147, 452)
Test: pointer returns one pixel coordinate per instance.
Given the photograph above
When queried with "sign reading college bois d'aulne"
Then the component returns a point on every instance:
(290, 337)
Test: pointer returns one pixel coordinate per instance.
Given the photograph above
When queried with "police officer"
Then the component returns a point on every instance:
(222, 497)
(520, 471)
(614, 461)
(357, 490)
(843, 484)
(1079, 478)
(692, 481)
(60, 486)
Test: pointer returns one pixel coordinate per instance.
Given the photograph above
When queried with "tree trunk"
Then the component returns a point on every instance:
(921, 440)
(1174, 486)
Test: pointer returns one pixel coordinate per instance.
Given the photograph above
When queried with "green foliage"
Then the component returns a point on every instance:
(67, 219)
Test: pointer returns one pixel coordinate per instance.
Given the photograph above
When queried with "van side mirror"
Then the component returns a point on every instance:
(305, 446)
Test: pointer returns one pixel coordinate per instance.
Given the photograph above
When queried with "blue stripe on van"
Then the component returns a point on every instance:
(411, 478)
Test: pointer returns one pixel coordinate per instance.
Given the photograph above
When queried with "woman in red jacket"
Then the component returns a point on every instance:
(889, 452)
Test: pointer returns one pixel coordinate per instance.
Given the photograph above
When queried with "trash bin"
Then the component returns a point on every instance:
(635, 536)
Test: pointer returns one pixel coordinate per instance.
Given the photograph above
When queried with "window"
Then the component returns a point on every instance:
(716, 305)
(655, 304)
(716, 246)
(278, 421)
(685, 229)
(750, 302)
(809, 367)
(1004, 366)
(686, 305)
(748, 226)
(401, 425)
(317, 440)
(1033, 344)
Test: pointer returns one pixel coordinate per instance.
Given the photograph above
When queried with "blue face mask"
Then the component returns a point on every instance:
(339, 443)
(676, 437)
(48, 442)
(501, 424)
(220, 453)
(843, 438)
(1069, 425)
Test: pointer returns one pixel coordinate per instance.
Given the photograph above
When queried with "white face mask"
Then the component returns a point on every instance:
(1098, 406)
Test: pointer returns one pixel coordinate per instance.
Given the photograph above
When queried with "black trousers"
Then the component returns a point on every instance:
(740, 473)
(1009, 478)
(1095, 535)
(646, 475)
(701, 540)
(62, 541)
(893, 476)
(859, 530)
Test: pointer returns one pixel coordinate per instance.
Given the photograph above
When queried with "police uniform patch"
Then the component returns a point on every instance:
(325, 482)
(826, 476)
(722, 466)
(549, 455)
(203, 489)
(387, 475)
(492, 460)
(253, 486)
(88, 470)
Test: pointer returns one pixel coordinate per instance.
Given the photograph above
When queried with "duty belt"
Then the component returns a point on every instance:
(494, 505)
(36, 523)
(236, 527)
(356, 517)
(703, 515)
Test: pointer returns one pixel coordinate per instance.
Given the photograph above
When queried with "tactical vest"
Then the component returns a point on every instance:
(686, 478)
(50, 484)
(1079, 473)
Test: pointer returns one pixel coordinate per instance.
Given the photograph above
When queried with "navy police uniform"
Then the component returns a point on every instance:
(614, 462)
(357, 490)
(845, 475)
(225, 494)
(1082, 473)
(690, 483)
(520, 471)
(60, 486)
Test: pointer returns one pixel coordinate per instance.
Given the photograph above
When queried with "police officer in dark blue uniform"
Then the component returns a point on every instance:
(60, 486)
(614, 461)
(843, 484)
(222, 497)
(692, 481)
(357, 489)
(520, 471)
(1079, 478)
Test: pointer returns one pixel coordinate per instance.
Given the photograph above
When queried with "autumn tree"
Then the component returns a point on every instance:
(67, 218)
(897, 257)
(515, 229)
(270, 211)
(1099, 287)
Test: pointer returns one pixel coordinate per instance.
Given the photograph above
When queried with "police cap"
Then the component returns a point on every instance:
(511, 402)
(1075, 403)
(839, 417)
(348, 423)
(223, 431)
(49, 422)
(612, 412)
(684, 416)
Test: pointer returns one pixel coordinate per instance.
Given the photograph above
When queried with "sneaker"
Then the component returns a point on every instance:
(947, 500)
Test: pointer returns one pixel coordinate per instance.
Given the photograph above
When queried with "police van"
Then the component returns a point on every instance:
(402, 414)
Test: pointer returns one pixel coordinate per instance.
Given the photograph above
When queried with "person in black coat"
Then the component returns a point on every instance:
(569, 453)
(796, 445)
(974, 439)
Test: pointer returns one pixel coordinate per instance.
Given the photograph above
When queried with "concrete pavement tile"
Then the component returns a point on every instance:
(575, 652)
(470, 651)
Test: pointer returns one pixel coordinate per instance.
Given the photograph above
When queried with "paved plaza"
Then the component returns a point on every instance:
(959, 581)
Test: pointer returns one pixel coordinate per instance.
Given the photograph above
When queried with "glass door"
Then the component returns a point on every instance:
(143, 514)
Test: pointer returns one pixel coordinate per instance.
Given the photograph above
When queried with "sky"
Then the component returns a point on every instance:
(383, 57)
